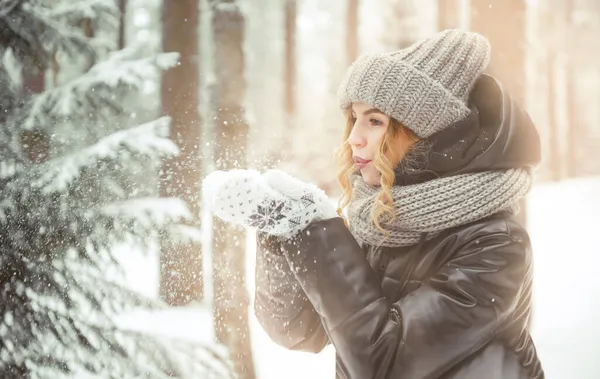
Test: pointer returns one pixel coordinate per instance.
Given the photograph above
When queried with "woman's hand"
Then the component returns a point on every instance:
(274, 203)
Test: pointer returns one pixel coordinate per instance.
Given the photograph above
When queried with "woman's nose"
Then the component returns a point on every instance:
(355, 139)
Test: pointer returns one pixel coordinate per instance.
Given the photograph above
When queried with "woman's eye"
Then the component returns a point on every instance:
(375, 122)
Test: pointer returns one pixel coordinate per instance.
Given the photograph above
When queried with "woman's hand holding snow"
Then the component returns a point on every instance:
(274, 203)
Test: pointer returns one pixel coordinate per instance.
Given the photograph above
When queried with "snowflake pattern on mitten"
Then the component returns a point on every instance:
(267, 214)
(244, 198)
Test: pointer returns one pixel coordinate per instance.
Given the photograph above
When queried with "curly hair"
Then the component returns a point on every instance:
(387, 157)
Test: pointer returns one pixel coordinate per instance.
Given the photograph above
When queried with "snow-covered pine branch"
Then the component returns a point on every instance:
(148, 213)
(184, 234)
(34, 36)
(126, 67)
(146, 140)
(98, 88)
(74, 11)
(70, 292)
(9, 79)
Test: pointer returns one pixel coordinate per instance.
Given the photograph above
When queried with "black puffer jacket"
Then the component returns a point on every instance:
(453, 306)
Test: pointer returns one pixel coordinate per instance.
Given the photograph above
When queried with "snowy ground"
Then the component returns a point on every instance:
(565, 229)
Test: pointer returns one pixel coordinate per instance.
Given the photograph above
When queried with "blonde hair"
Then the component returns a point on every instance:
(384, 162)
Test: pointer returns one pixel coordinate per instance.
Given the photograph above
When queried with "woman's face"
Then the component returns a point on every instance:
(370, 127)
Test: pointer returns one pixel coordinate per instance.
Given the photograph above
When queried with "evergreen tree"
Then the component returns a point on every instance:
(60, 216)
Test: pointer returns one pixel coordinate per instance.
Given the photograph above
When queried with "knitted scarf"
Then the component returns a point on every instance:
(434, 205)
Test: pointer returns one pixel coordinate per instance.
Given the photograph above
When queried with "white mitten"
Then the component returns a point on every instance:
(304, 192)
(243, 197)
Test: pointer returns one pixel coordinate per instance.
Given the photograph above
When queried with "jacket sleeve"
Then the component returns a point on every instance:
(452, 314)
(280, 304)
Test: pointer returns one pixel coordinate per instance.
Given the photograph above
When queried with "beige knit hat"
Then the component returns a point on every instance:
(425, 86)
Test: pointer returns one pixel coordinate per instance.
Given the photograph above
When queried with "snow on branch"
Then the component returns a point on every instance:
(7, 6)
(10, 79)
(149, 213)
(123, 67)
(224, 7)
(184, 234)
(75, 11)
(147, 140)
(34, 36)
(97, 87)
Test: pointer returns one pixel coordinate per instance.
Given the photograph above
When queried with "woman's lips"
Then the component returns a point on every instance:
(360, 163)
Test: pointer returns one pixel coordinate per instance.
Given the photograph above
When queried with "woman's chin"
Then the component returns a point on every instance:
(370, 179)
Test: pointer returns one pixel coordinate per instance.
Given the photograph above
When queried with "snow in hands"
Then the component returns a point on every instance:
(274, 203)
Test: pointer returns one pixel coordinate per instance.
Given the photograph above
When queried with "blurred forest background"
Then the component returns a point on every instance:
(114, 110)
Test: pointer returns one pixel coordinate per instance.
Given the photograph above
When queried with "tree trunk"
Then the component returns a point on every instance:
(554, 155)
(581, 29)
(551, 30)
(290, 58)
(290, 73)
(88, 31)
(573, 124)
(230, 299)
(122, 22)
(181, 265)
(503, 22)
(572, 169)
(448, 14)
(352, 31)
(402, 24)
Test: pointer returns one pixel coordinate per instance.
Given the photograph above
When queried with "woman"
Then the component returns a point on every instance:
(431, 276)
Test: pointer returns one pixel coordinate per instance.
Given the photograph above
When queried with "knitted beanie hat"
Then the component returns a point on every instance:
(425, 86)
